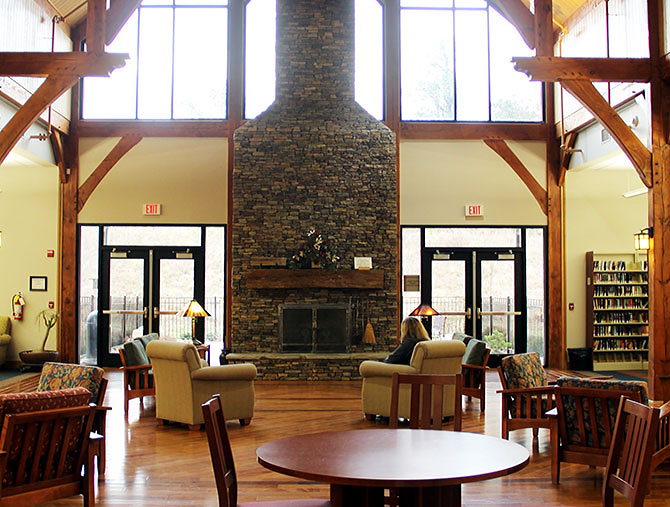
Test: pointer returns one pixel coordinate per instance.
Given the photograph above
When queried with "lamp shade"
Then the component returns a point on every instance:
(424, 311)
(194, 309)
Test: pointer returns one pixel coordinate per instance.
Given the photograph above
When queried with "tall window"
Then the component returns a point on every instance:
(369, 64)
(455, 64)
(177, 67)
(259, 56)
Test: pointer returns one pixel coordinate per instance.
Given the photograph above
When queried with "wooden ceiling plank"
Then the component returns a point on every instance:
(637, 152)
(57, 147)
(45, 64)
(505, 152)
(46, 94)
(124, 145)
(555, 68)
(95, 26)
(517, 13)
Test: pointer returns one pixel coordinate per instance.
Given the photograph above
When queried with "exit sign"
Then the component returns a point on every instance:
(474, 210)
(152, 209)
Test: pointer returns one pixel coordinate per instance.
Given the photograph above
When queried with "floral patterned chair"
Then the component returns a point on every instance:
(583, 423)
(56, 376)
(526, 397)
(56, 428)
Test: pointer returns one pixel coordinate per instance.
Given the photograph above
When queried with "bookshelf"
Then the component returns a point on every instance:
(617, 310)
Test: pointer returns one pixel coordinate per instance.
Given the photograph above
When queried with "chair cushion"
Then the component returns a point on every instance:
(465, 338)
(5, 325)
(146, 339)
(134, 353)
(57, 376)
(475, 351)
(523, 370)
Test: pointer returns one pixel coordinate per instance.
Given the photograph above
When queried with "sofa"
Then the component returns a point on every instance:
(183, 384)
(434, 357)
(5, 337)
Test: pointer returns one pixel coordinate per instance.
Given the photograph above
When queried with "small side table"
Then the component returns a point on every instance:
(203, 351)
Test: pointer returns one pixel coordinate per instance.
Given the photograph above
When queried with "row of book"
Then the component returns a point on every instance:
(604, 265)
(621, 290)
(619, 277)
(621, 304)
(620, 344)
(616, 317)
(621, 331)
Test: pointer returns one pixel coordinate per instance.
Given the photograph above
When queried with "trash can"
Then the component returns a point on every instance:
(580, 359)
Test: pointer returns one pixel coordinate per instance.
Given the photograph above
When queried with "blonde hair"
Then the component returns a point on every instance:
(413, 328)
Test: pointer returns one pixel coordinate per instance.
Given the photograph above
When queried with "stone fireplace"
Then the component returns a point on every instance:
(314, 160)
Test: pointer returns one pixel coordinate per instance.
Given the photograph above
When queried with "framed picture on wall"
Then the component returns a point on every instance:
(38, 283)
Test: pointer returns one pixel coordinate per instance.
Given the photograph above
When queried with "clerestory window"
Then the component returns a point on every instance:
(177, 67)
(455, 64)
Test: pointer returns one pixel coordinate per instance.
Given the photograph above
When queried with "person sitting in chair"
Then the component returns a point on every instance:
(411, 333)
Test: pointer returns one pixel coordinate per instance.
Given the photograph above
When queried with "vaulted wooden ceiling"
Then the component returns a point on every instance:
(75, 10)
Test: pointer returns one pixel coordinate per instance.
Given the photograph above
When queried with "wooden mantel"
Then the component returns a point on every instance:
(315, 279)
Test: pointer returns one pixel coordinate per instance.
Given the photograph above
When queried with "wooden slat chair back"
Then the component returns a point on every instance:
(474, 380)
(584, 425)
(42, 454)
(629, 460)
(426, 398)
(224, 464)
(137, 381)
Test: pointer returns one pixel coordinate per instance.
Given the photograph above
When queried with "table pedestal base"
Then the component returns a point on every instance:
(361, 496)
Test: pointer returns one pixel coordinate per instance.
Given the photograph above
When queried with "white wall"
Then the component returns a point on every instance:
(438, 178)
(598, 219)
(187, 176)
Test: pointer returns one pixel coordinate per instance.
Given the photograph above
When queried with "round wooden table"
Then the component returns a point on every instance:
(427, 466)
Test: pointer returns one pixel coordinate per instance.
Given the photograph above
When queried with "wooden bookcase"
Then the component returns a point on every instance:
(617, 310)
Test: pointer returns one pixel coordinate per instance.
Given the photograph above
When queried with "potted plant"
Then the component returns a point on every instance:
(48, 318)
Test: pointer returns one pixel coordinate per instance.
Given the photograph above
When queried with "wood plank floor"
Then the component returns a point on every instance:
(151, 464)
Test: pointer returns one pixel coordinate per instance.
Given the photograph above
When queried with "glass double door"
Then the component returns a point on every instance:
(479, 292)
(144, 290)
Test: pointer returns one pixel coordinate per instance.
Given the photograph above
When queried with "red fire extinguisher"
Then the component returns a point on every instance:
(17, 306)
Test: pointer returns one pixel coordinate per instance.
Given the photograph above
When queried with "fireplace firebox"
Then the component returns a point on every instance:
(314, 328)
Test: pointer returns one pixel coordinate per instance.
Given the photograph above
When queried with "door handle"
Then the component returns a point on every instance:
(157, 312)
(467, 313)
(480, 313)
(126, 312)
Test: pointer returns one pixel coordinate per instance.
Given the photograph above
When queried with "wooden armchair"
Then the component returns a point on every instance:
(45, 441)
(138, 380)
(629, 460)
(526, 397)
(662, 451)
(474, 372)
(582, 425)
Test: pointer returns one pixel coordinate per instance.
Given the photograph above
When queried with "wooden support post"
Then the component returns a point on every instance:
(95, 26)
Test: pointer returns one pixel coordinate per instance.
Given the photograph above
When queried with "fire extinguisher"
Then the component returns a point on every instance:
(17, 306)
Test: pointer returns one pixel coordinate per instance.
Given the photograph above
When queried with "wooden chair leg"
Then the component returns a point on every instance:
(482, 400)
(245, 422)
(88, 480)
(125, 403)
(555, 463)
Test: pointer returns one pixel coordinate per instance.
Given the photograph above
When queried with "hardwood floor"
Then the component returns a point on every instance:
(152, 464)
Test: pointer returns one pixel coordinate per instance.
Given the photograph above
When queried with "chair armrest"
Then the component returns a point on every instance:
(529, 390)
(5, 339)
(473, 367)
(136, 367)
(379, 369)
(242, 371)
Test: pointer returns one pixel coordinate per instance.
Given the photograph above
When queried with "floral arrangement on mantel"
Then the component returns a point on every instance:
(315, 253)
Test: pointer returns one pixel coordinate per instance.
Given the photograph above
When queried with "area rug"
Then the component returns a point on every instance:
(19, 382)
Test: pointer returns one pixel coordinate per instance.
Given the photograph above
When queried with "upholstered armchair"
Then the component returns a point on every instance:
(433, 357)
(183, 384)
(526, 397)
(582, 425)
(5, 337)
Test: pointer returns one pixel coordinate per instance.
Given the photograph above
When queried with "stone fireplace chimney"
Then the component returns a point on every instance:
(313, 160)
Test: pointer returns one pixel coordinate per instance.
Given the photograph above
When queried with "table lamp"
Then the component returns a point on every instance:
(194, 310)
(424, 311)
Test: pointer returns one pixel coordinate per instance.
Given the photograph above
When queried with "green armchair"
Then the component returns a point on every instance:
(5, 337)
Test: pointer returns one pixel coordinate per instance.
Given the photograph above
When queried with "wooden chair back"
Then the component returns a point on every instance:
(426, 399)
(58, 440)
(137, 381)
(220, 452)
(629, 460)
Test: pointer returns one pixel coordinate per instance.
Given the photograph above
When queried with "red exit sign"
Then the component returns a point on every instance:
(152, 209)
(474, 210)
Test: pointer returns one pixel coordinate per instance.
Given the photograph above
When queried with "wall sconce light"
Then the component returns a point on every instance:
(643, 238)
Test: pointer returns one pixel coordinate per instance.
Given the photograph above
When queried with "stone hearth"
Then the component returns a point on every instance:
(314, 159)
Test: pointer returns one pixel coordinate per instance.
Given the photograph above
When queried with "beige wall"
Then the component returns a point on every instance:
(187, 176)
(438, 178)
(598, 219)
(29, 225)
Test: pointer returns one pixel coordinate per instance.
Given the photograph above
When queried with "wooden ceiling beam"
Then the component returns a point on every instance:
(52, 88)
(116, 16)
(124, 145)
(76, 64)
(95, 26)
(591, 99)
(505, 152)
(555, 68)
(516, 12)
(478, 131)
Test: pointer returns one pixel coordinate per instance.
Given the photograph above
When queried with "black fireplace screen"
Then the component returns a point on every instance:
(314, 328)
